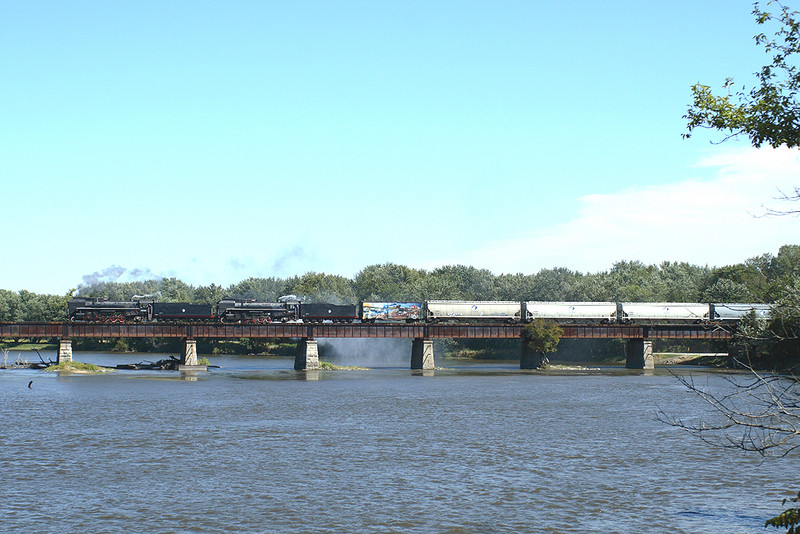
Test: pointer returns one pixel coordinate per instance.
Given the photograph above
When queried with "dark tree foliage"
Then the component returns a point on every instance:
(542, 338)
(321, 287)
(388, 282)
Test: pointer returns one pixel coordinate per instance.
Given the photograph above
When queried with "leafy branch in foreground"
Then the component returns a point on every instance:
(769, 112)
(789, 518)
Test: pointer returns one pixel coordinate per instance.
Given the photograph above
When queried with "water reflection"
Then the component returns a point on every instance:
(308, 374)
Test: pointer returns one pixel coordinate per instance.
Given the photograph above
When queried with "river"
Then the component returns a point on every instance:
(254, 446)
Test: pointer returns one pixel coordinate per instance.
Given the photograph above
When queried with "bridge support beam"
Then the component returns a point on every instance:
(307, 357)
(530, 359)
(639, 354)
(422, 354)
(189, 355)
(64, 351)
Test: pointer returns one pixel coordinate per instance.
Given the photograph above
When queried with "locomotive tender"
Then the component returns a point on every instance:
(291, 309)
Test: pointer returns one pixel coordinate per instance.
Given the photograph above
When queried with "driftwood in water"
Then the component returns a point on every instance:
(167, 364)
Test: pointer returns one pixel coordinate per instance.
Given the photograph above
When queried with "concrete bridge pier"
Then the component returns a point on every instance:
(307, 357)
(64, 351)
(189, 355)
(639, 354)
(422, 354)
(530, 359)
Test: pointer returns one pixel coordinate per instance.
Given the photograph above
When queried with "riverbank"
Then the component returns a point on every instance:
(707, 359)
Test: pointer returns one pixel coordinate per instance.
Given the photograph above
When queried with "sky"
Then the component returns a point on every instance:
(216, 141)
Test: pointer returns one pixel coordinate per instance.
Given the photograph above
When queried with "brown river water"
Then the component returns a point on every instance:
(255, 446)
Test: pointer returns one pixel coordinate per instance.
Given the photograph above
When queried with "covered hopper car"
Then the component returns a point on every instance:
(576, 312)
(462, 310)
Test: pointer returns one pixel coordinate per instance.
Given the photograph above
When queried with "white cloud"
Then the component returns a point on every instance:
(702, 221)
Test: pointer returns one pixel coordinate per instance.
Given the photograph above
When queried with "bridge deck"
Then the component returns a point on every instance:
(463, 331)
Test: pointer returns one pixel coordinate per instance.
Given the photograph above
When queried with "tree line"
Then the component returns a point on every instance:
(766, 278)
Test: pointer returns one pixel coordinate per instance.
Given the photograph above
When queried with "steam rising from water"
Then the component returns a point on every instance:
(366, 352)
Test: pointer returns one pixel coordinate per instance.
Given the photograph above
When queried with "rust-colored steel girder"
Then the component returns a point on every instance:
(408, 331)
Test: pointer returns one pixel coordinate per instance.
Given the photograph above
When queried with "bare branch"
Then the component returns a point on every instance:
(758, 413)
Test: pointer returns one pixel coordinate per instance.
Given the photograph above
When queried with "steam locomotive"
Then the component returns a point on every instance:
(291, 309)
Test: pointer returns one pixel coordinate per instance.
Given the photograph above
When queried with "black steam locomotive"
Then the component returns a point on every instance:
(139, 309)
(228, 310)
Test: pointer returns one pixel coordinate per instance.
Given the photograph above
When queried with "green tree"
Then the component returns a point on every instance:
(174, 290)
(388, 282)
(458, 282)
(633, 281)
(554, 285)
(10, 306)
(770, 111)
(681, 282)
(593, 287)
(726, 290)
(542, 338)
(321, 287)
(261, 289)
(515, 286)
(210, 294)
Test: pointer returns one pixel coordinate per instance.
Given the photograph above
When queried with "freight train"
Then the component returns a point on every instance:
(291, 309)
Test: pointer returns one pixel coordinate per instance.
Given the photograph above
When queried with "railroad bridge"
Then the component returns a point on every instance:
(639, 347)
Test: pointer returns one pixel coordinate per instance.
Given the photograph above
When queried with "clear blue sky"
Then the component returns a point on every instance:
(214, 141)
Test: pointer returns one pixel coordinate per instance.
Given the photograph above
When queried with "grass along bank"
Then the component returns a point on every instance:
(78, 368)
